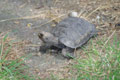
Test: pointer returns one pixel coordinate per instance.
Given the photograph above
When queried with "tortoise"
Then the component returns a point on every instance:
(69, 34)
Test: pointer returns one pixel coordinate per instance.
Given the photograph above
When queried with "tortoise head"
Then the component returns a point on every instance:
(47, 37)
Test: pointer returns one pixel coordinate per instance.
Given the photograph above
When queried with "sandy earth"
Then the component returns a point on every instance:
(25, 18)
(24, 29)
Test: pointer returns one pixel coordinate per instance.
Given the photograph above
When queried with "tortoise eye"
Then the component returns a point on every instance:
(40, 35)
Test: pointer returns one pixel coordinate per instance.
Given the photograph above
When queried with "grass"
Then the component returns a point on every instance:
(100, 62)
(11, 69)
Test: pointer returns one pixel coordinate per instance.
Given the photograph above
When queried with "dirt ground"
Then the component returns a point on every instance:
(25, 18)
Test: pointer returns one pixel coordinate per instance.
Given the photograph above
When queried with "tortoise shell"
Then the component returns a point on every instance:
(73, 32)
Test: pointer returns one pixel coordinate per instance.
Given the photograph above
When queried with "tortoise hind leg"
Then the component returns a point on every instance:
(68, 53)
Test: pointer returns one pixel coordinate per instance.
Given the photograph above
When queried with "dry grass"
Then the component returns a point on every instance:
(86, 9)
(16, 48)
(11, 64)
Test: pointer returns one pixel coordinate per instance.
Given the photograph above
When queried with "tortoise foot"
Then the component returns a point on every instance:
(68, 53)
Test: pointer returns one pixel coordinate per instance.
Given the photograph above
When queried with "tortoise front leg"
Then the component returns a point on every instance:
(52, 48)
(44, 48)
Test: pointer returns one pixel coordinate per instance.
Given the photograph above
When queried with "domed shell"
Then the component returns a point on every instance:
(73, 32)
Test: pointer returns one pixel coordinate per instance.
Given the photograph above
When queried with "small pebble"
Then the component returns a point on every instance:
(73, 14)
